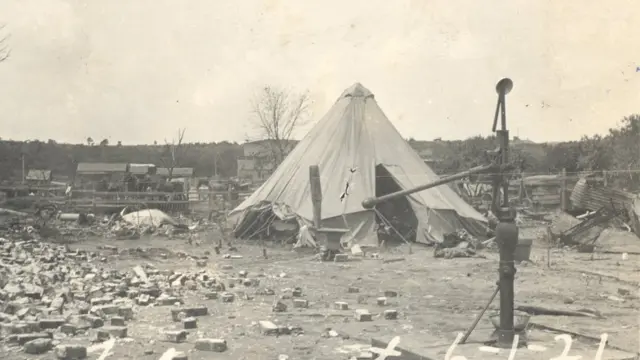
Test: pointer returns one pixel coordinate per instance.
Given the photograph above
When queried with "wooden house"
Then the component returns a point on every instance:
(88, 175)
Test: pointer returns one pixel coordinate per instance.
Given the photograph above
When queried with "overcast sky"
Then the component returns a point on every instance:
(136, 70)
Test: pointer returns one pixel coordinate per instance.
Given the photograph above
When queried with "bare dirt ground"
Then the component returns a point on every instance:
(437, 298)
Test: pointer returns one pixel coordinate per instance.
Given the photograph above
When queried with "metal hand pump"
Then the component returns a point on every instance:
(506, 230)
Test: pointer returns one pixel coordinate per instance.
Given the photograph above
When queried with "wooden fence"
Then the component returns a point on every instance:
(26, 197)
(101, 202)
(544, 192)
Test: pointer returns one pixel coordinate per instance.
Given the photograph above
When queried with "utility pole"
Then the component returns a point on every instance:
(25, 148)
(215, 164)
(23, 175)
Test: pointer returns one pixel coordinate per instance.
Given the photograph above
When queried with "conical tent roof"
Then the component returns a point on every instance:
(347, 144)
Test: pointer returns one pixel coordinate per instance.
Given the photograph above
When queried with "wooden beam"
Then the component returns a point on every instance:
(316, 195)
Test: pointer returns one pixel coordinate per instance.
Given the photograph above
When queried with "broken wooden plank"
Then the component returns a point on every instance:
(541, 310)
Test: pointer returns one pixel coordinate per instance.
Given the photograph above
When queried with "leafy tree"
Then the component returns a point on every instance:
(625, 144)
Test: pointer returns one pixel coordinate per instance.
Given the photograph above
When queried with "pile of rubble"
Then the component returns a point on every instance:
(50, 294)
(71, 303)
(69, 228)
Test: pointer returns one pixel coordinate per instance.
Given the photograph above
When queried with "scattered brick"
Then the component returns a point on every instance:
(268, 328)
(102, 310)
(117, 321)
(190, 323)
(279, 306)
(113, 331)
(126, 312)
(363, 315)
(175, 336)
(71, 352)
(251, 282)
(143, 299)
(189, 312)
(341, 305)
(300, 303)
(265, 292)
(101, 301)
(51, 323)
(227, 297)
(95, 321)
(68, 329)
(216, 345)
(38, 346)
(390, 314)
(165, 300)
(211, 295)
(22, 339)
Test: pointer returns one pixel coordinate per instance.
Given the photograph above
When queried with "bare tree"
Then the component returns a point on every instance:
(277, 113)
(5, 51)
(172, 153)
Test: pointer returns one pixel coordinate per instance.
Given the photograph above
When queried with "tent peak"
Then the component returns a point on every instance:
(356, 90)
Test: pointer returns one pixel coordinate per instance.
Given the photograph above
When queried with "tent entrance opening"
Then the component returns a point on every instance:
(394, 214)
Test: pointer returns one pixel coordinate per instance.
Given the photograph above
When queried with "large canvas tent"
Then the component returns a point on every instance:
(357, 150)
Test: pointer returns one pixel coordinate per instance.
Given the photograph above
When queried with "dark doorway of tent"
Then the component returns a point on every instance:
(396, 223)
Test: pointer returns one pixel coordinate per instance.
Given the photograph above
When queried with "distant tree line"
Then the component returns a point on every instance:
(617, 152)
(63, 159)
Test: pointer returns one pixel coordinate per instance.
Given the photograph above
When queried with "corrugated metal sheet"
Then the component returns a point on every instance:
(177, 172)
(101, 168)
(586, 195)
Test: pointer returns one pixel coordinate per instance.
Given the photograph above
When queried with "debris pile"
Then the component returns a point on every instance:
(50, 294)
(70, 228)
(586, 232)
(456, 245)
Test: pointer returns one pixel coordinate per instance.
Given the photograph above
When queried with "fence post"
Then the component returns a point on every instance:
(563, 190)
(316, 195)
(606, 178)
(522, 190)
